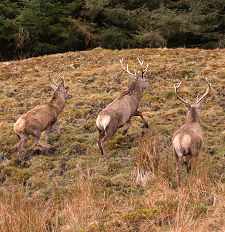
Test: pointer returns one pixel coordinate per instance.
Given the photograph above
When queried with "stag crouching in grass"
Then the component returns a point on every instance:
(187, 141)
(41, 118)
(122, 109)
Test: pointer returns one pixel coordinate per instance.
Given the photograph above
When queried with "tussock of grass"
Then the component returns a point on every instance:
(72, 187)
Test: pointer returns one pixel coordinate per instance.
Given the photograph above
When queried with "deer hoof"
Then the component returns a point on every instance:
(124, 132)
(145, 126)
(47, 146)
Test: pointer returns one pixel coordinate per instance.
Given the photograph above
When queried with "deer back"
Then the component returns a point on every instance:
(121, 109)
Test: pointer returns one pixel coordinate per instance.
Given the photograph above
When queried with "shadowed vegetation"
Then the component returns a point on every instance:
(35, 28)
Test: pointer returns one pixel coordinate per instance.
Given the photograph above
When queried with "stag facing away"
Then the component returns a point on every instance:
(41, 118)
(188, 139)
(123, 108)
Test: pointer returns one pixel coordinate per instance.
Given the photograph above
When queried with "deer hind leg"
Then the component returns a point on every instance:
(178, 166)
(138, 113)
(108, 135)
(37, 136)
(101, 135)
(23, 140)
(58, 129)
(194, 151)
(128, 126)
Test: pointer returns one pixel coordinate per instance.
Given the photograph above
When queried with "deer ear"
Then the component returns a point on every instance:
(188, 106)
(54, 87)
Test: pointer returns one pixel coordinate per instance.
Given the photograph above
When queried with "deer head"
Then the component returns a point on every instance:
(194, 108)
(62, 91)
(135, 76)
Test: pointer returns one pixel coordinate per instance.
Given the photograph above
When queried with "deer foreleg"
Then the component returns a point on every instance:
(47, 132)
(138, 113)
(58, 129)
(37, 136)
(128, 126)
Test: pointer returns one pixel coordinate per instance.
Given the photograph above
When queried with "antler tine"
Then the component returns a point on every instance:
(176, 86)
(197, 97)
(206, 93)
(143, 71)
(141, 62)
(52, 79)
(146, 69)
(126, 70)
(62, 78)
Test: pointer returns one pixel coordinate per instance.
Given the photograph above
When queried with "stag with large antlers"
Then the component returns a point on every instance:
(122, 109)
(187, 141)
(41, 118)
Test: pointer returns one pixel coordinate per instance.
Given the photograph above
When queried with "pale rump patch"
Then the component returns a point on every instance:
(177, 146)
(102, 122)
(185, 142)
(19, 126)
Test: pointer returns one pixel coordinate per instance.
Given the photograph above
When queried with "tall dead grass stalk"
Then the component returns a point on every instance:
(149, 161)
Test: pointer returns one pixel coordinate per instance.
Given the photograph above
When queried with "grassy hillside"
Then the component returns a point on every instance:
(71, 187)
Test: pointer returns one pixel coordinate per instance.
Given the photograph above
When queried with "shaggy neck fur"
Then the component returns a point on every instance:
(134, 89)
(58, 101)
(193, 116)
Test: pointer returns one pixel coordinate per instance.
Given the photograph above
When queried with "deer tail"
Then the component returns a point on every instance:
(102, 122)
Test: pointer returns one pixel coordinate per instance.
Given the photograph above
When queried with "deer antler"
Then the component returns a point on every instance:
(62, 78)
(143, 71)
(177, 86)
(127, 70)
(206, 93)
(52, 80)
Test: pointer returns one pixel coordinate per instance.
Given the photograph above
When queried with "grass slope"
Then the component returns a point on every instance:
(71, 187)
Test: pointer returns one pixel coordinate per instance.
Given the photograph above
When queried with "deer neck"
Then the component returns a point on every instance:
(136, 90)
(58, 101)
(193, 116)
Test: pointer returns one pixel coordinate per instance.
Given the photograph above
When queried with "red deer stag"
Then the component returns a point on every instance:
(187, 140)
(122, 109)
(41, 118)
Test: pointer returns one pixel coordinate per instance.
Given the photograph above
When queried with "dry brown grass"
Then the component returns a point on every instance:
(21, 213)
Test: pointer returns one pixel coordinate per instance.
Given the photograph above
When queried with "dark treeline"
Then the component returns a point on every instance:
(37, 27)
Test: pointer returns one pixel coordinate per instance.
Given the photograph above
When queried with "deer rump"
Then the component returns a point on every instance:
(187, 142)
